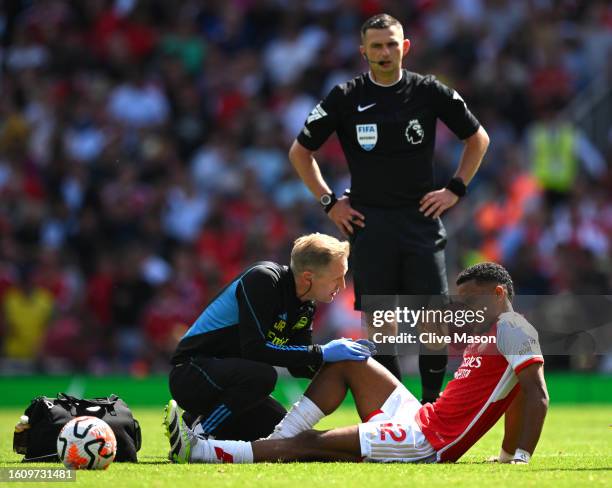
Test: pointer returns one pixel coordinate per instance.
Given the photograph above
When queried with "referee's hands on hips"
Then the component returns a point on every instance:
(436, 202)
(345, 216)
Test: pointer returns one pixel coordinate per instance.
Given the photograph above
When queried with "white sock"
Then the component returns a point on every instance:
(304, 415)
(214, 451)
(199, 431)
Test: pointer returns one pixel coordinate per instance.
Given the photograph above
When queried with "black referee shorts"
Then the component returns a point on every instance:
(398, 252)
(232, 395)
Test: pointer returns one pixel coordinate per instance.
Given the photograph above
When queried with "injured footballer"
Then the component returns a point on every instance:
(505, 376)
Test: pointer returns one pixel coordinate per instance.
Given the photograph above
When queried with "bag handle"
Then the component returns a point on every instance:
(69, 402)
(78, 404)
(111, 400)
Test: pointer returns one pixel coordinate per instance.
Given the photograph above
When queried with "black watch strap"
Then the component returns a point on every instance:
(327, 201)
(457, 186)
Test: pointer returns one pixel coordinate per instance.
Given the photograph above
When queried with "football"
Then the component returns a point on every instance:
(86, 443)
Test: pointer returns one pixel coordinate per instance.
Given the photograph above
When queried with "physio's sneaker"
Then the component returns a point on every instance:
(180, 436)
(277, 433)
(196, 426)
(189, 419)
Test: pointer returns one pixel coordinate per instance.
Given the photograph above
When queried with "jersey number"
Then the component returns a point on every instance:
(398, 436)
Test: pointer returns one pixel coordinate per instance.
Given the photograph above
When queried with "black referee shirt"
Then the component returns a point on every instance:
(388, 134)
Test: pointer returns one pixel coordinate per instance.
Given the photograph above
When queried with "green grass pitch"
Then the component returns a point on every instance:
(575, 450)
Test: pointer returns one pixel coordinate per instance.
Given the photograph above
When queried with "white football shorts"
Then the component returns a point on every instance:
(392, 435)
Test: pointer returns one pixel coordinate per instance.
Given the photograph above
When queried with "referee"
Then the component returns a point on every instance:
(223, 368)
(385, 120)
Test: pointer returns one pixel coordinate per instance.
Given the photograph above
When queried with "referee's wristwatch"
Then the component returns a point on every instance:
(457, 186)
(327, 201)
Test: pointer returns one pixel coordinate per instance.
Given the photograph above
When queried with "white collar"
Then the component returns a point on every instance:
(385, 86)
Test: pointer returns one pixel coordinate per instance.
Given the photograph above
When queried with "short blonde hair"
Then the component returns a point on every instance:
(316, 251)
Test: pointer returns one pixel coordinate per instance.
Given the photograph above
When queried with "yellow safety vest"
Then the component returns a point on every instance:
(553, 156)
(26, 320)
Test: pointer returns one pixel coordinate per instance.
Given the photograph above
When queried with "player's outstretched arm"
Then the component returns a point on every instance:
(534, 408)
(512, 430)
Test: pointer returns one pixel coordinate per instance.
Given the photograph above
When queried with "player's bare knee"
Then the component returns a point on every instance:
(357, 366)
(348, 369)
(352, 364)
(336, 366)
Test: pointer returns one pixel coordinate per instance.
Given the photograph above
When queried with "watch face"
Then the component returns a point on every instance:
(325, 200)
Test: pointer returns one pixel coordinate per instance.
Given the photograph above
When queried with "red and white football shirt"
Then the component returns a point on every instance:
(484, 386)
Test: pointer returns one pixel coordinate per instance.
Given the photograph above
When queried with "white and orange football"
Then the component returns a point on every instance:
(86, 443)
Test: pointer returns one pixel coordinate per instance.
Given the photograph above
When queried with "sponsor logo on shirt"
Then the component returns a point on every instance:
(367, 135)
(276, 338)
(526, 347)
(469, 363)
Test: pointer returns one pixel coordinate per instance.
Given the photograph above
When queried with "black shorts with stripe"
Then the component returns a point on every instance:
(231, 395)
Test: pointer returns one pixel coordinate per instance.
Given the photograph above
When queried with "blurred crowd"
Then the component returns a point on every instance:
(143, 156)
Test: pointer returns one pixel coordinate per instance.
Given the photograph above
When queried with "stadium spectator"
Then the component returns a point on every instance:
(109, 107)
(27, 310)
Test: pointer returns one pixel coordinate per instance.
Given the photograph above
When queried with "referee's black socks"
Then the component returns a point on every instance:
(432, 367)
(391, 363)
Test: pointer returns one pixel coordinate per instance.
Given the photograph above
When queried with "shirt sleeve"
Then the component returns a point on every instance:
(518, 342)
(451, 109)
(256, 293)
(321, 122)
(304, 337)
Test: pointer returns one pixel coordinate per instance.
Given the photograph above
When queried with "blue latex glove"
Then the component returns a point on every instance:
(344, 350)
(369, 344)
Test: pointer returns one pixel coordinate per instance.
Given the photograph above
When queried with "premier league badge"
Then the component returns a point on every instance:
(414, 132)
(367, 135)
